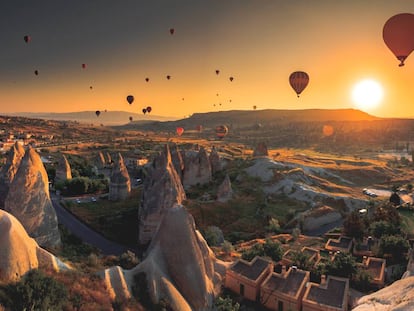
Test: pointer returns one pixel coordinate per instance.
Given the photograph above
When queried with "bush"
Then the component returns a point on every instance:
(226, 304)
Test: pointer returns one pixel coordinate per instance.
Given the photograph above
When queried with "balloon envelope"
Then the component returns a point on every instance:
(144, 110)
(97, 113)
(231, 79)
(83, 66)
(130, 99)
(221, 131)
(168, 77)
(27, 39)
(149, 109)
(179, 130)
(298, 81)
(130, 118)
(147, 79)
(217, 72)
(398, 35)
(172, 30)
(36, 72)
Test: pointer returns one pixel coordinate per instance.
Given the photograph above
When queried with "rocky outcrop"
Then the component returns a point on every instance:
(19, 252)
(197, 168)
(319, 217)
(100, 161)
(161, 189)
(177, 159)
(215, 161)
(225, 191)
(29, 201)
(261, 150)
(109, 161)
(63, 171)
(8, 171)
(180, 268)
(120, 183)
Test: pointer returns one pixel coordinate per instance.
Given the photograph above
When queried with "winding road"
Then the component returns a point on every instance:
(84, 232)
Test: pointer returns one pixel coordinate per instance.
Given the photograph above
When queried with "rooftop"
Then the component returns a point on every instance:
(251, 270)
(331, 294)
(375, 267)
(342, 243)
(289, 284)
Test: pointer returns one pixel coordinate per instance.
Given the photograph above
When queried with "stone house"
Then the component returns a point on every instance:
(331, 295)
(285, 290)
(245, 278)
(376, 269)
(342, 244)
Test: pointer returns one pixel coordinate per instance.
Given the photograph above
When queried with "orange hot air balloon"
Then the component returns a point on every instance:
(98, 113)
(298, 81)
(221, 131)
(130, 99)
(144, 110)
(27, 39)
(254, 107)
(398, 35)
(172, 30)
(83, 66)
(179, 130)
(327, 130)
(149, 109)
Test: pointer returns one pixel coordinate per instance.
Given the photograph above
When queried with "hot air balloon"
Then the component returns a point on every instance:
(91, 87)
(221, 131)
(97, 112)
(130, 118)
(298, 81)
(217, 72)
(130, 99)
(168, 77)
(36, 72)
(149, 109)
(172, 30)
(231, 79)
(147, 79)
(254, 107)
(83, 66)
(179, 130)
(144, 110)
(398, 35)
(27, 39)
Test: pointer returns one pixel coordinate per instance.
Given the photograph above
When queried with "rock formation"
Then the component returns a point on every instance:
(161, 189)
(260, 150)
(109, 160)
(215, 162)
(29, 201)
(177, 159)
(225, 191)
(63, 171)
(19, 252)
(120, 183)
(100, 161)
(8, 171)
(197, 168)
(180, 268)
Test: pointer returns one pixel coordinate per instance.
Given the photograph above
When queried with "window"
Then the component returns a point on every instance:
(242, 290)
(280, 306)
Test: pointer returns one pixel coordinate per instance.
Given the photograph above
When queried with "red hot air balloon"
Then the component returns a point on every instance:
(144, 110)
(398, 35)
(83, 66)
(231, 79)
(217, 72)
(179, 130)
(97, 112)
(298, 81)
(27, 39)
(172, 30)
(149, 109)
(221, 131)
(130, 99)
(147, 79)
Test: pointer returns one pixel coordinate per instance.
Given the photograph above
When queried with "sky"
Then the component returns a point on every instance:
(258, 42)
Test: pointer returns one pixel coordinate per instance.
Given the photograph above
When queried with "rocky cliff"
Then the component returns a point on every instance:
(19, 252)
(225, 191)
(9, 170)
(120, 183)
(197, 168)
(161, 190)
(29, 201)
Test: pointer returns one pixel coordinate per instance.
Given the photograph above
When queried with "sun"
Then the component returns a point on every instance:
(367, 94)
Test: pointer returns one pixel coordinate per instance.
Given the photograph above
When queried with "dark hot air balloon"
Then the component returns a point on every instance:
(149, 109)
(179, 130)
(147, 79)
(172, 30)
(217, 72)
(36, 72)
(27, 39)
(97, 112)
(91, 87)
(398, 35)
(298, 81)
(130, 99)
(221, 131)
(254, 107)
(130, 119)
(144, 110)
(83, 66)
(231, 79)
(168, 77)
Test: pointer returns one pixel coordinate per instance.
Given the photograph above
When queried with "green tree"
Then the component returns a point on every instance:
(36, 291)
(381, 228)
(301, 260)
(395, 245)
(273, 250)
(343, 265)
(226, 304)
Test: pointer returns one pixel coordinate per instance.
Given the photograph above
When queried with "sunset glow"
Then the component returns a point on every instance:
(367, 94)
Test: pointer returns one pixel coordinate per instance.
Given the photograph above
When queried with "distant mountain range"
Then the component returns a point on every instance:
(105, 118)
